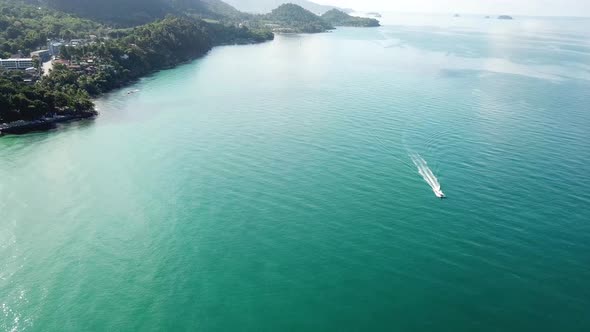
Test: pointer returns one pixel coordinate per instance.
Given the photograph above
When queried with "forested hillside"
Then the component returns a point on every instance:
(298, 19)
(135, 12)
(266, 6)
(340, 18)
(123, 40)
(28, 102)
(24, 27)
(112, 59)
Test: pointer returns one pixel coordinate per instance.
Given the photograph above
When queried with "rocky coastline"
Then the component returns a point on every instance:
(43, 124)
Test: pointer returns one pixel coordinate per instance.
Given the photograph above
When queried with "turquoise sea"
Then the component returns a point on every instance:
(272, 188)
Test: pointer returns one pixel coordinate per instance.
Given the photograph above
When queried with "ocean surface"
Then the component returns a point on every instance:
(289, 186)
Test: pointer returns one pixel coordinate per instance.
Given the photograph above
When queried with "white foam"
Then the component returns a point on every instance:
(427, 174)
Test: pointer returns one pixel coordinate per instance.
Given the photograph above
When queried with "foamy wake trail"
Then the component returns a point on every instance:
(427, 174)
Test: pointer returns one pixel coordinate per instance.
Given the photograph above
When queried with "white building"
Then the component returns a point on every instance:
(54, 47)
(43, 55)
(11, 64)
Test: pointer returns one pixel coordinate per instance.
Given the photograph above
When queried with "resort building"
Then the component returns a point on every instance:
(11, 64)
(43, 55)
(54, 47)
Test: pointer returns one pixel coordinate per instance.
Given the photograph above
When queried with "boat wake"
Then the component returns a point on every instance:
(427, 174)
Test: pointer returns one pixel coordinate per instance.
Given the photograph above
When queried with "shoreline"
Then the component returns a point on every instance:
(44, 124)
(21, 127)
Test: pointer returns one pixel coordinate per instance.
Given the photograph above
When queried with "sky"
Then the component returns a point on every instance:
(509, 7)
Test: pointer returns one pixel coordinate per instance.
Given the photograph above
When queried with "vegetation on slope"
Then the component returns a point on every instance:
(151, 47)
(28, 102)
(136, 12)
(102, 66)
(340, 18)
(297, 19)
(175, 33)
(24, 27)
(222, 8)
(266, 6)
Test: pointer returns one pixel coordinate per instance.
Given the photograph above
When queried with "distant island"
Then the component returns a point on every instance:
(456, 15)
(338, 18)
(505, 17)
(50, 72)
(374, 14)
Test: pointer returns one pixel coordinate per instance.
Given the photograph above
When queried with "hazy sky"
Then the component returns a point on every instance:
(514, 7)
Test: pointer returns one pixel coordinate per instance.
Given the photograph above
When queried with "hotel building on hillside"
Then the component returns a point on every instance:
(12, 64)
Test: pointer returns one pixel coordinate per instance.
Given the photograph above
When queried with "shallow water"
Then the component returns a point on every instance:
(271, 187)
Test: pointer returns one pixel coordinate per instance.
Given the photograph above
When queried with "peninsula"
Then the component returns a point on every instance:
(59, 54)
